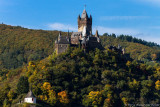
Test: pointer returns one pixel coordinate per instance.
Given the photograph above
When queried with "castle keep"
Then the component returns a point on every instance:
(83, 37)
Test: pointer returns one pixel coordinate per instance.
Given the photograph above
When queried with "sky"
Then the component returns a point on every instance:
(139, 18)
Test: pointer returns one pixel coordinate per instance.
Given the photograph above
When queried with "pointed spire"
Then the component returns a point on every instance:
(68, 33)
(79, 17)
(84, 14)
(90, 33)
(85, 6)
(97, 35)
(59, 37)
(123, 50)
(90, 16)
(60, 34)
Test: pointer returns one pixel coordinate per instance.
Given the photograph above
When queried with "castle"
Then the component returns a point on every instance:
(82, 38)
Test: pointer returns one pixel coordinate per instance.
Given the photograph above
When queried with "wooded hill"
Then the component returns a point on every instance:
(20, 45)
(98, 78)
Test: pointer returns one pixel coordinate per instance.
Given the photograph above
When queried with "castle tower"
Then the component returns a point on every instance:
(97, 35)
(85, 21)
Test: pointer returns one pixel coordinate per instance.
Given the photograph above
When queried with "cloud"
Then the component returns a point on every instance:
(62, 27)
(123, 17)
(102, 30)
(126, 31)
(155, 27)
(117, 31)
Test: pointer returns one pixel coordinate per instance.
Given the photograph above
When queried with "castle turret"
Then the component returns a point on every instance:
(59, 37)
(79, 17)
(68, 36)
(123, 50)
(83, 21)
(96, 35)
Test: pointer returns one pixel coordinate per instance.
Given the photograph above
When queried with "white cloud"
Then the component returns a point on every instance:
(152, 38)
(63, 27)
(155, 27)
(117, 31)
(123, 17)
(102, 30)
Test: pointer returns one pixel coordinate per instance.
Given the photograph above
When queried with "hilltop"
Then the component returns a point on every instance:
(97, 78)
(20, 45)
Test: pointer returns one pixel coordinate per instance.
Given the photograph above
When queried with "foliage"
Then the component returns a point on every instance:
(99, 78)
(23, 85)
(20, 45)
(137, 48)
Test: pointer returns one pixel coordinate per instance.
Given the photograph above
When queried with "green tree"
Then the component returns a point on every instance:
(23, 85)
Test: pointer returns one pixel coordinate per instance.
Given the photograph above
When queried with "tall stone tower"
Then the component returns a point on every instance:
(85, 21)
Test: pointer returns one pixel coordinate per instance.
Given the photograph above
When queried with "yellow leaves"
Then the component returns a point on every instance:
(157, 83)
(43, 67)
(128, 63)
(35, 72)
(52, 97)
(95, 97)
(93, 94)
(30, 63)
(107, 103)
(49, 94)
(158, 69)
(107, 87)
(63, 97)
(134, 85)
(10, 95)
(1, 79)
(109, 95)
(46, 86)
(154, 56)
(31, 78)
(125, 100)
(43, 97)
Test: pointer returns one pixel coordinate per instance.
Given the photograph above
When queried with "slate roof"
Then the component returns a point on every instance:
(93, 38)
(63, 40)
(84, 14)
(76, 33)
(84, 41)
(30, 95)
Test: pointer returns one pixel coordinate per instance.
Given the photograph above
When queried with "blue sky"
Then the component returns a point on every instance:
(139, 18)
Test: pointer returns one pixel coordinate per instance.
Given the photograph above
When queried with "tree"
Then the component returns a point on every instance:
(157, 85)
(63, 97)
(134, 85)
(93, 99)
(23, 85)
